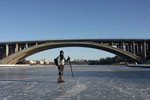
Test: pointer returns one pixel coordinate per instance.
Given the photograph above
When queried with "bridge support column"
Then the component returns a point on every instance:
(36, 43)
(4, 52)
(129, 47)
(139, 49)
(111, 44)
(27, 45)
(123, 46)
(144, 50)
(1, 52)
(148, 51)
(117, 46)
(136, 49)
(17, 48)
(7, 50)
(133, 47)
(120, 46)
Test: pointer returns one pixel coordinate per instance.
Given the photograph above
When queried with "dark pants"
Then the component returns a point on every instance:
(61, 69)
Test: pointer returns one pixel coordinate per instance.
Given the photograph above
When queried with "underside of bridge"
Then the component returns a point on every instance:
(16, 57)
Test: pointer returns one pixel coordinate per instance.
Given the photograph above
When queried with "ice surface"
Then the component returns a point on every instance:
(109, 82)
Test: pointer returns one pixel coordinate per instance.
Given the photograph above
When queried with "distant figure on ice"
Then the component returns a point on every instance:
(60, 62)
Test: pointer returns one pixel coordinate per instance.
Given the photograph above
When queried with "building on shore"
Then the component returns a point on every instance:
(32, 62)
(41, 62)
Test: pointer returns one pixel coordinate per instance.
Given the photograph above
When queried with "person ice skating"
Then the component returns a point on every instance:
(60, 62)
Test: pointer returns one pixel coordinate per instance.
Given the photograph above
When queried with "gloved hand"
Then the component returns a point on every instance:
(68, 58)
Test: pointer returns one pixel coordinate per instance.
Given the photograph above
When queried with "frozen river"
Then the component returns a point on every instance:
(101, 82)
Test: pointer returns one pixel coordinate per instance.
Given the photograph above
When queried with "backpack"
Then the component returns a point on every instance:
(56, 61)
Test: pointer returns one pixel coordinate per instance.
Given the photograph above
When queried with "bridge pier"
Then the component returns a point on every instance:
(117, 46)
(27, 45)
(122, 46)
(2, 52)
(136, 50)
(36, 43)
(144, 50)
(7, 50)
(126, 46)
(133, 47)
(17, 47)
(148, 51)
(139, 49)
(129, 47)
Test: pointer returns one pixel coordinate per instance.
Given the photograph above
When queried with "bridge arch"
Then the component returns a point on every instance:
(14, 58)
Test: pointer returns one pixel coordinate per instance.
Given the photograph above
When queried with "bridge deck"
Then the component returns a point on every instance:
(76, 40)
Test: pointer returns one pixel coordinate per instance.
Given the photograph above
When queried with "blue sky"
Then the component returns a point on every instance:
(73, 19)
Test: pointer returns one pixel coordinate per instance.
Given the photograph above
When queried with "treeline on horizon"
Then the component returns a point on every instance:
(101, 61)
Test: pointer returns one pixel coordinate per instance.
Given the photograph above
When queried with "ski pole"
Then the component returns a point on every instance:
(71, 69)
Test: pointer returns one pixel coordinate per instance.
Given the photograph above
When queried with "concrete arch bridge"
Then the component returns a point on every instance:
(135, 49)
